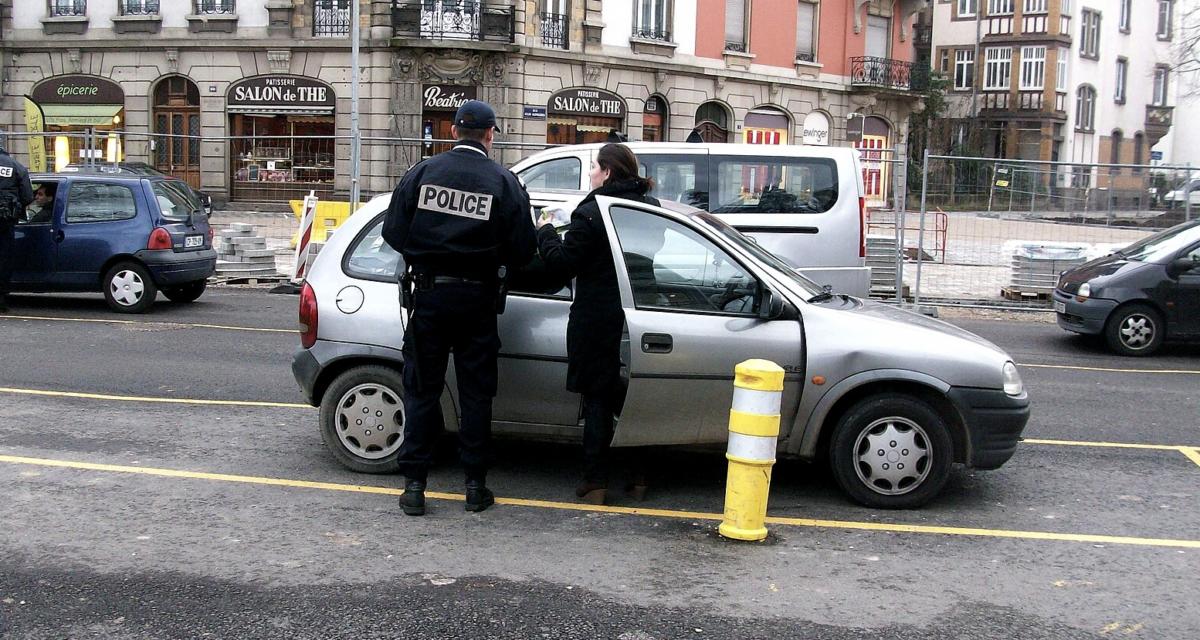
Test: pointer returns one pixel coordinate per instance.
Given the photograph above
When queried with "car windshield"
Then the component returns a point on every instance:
(1164, 244)
(175, 200)
(751, 247)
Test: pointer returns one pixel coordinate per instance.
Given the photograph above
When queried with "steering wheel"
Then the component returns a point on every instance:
(729, 295)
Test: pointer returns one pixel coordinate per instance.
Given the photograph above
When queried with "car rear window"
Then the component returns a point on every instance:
(98, 202)
(175, 200)
(371, 257)
(750, 184)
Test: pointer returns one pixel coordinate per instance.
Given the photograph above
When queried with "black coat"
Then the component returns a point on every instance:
(597, 319)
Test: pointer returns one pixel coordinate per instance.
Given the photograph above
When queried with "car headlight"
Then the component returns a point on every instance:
(1013, 385)
(1085, 292)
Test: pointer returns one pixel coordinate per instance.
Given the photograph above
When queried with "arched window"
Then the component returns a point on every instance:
(1117, 139)
(1139, 150)
(654, 120)
(712, 122)
(1085, 109)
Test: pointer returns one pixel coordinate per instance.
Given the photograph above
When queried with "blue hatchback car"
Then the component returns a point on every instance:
(127, 236)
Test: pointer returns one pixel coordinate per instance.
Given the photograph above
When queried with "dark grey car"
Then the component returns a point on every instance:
(1139, 296)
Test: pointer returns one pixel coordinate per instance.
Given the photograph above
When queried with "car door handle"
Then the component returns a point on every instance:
(657, 343)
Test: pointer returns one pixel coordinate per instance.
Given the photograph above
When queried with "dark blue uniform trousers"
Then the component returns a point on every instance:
(458, 318)
(6, 255)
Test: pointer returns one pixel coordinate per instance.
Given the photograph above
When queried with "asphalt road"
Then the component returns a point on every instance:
(122, 518)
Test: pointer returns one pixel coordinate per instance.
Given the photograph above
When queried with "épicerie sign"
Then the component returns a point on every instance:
(588, 102)
(78, 89)
(281, 91)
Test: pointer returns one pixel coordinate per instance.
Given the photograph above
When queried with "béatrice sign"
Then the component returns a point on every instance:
(445, 97)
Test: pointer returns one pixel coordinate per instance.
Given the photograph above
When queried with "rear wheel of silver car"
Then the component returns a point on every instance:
(362, 418)
(891, 451)
(128, 288)
(187, 292)
(1135, 330)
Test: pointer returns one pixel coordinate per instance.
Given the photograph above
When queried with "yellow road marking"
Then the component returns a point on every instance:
(186, 325)
(1108, 370)
(1108, 445)
(1192, 454)
(103, 396)
(632, 511)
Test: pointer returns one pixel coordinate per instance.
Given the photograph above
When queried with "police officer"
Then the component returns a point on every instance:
(15, 194)
(460, 221)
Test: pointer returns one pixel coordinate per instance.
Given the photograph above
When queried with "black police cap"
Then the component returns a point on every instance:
(475, 114)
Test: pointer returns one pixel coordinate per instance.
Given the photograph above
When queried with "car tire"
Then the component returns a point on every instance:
(909, 462)
(128, 288)
(187, 292)
(1135, 330)
(362, 418)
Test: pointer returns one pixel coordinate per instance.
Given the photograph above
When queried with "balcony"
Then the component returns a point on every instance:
(923, 36)
(331, 19)
(1158, 122)
(137, 16)
(213, 16)
(453, 20)
(881, 73)
(554, 29)
(68, 8)
(65, 18)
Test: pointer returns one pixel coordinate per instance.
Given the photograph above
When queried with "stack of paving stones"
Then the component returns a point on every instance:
(243, 254)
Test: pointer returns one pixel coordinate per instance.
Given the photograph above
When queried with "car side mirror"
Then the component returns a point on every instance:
(771, 305)
(1180, 266)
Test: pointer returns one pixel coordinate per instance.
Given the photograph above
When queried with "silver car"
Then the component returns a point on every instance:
(892, 398)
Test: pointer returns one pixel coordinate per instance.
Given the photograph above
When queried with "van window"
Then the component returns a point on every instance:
(683, 178)
(560, 173)
(774, 185)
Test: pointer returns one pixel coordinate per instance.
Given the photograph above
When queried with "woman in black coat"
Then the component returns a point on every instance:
(597, 319)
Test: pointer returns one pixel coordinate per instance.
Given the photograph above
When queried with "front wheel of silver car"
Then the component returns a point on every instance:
(891, 451)
(362, 418)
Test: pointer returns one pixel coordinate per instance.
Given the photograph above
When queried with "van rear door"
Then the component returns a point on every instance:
(803, 208)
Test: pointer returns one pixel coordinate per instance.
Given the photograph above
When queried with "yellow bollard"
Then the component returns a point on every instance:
(753, 434)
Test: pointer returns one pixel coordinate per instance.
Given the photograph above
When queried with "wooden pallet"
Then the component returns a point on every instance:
(263, 279)
(1016, 293)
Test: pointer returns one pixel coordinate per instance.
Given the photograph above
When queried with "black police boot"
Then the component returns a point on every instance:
(479, 497)
(413, 499)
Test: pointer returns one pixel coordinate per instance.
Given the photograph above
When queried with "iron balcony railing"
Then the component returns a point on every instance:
(554, 28)
(652, 34)
(62, 8)
(139, 7)
(1160, 116)
(331, 18)
(214, 7)
(883, 73)
(453, 20)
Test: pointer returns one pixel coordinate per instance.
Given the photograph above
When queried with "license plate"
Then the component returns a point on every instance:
(1060, 307)
(193, 241)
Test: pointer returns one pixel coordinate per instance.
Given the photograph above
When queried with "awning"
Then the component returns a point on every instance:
(87, 115)
(282, 110)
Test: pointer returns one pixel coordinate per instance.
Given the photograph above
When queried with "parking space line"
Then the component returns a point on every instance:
(1106, 445)
(1193, 454)
(185, 325)
(1108, 370)
(159, 400)
(631, 511)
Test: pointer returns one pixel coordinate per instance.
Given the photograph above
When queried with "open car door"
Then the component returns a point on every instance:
(691, 310)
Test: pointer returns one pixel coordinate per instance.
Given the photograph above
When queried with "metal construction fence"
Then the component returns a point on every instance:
(997, 232)
(939, 229)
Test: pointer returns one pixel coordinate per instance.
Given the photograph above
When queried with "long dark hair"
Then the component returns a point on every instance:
(622, 165)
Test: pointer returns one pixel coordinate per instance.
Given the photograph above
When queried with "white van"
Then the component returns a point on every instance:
(804, 204)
